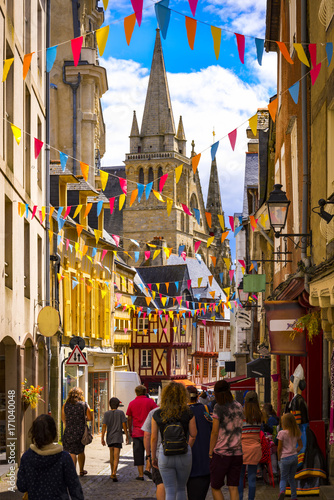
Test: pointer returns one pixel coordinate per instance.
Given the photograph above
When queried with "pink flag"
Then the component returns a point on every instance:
(193, 6)
(137, 6)
(188, 284)
(162, 182)
(179, 299)
(233, 137)
(316, 67)
(147, 254)
(124, 185)
(76, 44)
(111, 203)
(231, 273)
(204, 322)
(196, 246)
(315, 73)
(38, 147)
(164, 330)
(184, 256)
(116, 239)
(67, 243)
(241, 46)
(186, 209)
(33, 212)
(67, 212)
(242, 262)
(150, 286)
(231, 219)
(40, 216)
(103, 254)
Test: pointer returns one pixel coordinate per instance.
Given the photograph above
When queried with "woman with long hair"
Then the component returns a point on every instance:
(74, 414)
(287, 452)
(251, 443)
(177, 426)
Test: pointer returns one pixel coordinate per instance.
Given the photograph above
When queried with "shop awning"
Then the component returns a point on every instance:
(184, 381)
(259, 368)
(241, 383)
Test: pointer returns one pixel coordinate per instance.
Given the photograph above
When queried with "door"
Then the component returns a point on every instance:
(98, 398)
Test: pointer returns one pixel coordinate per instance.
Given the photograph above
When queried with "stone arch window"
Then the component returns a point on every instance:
(160, 174)
(150, 175)
(141, 176)
(193, 201)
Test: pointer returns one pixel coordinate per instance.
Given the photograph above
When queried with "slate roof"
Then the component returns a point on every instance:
(251, 178)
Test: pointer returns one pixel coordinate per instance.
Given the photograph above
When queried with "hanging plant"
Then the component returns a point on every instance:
(31, 395)
(312, 323)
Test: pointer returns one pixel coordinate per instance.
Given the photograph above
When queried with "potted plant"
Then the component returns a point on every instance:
(311, 322)
(31, 395)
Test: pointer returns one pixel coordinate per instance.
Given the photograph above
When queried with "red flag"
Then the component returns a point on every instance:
(162, 182)
(38, 147)
(124, 185)
(241, 46)
(111, 203)
(191, 25)
(76, 45)
(138, 8)
(233, 137)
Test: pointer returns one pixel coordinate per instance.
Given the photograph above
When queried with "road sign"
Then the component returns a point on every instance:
(76, 357)
(77, 341)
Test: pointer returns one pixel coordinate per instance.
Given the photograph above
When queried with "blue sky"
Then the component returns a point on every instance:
(209, 94)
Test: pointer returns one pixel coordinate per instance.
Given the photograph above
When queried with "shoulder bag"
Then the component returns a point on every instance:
(87, 437)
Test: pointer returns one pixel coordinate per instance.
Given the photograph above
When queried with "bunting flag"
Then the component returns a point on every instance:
(88, 209)
(79, 229)
(104, 179)
(76, 45)
(208, 218)
(133, 196)
(138, 8)
(285, 52)
(121, 201)
(301, 53)
(135, 242)
(38, 146)
(197, 215)
(216, 35)
(129, 26)
(224, 235)
(140, 188)
(51, 54)
(181, 249)
(26, 64)
(210, 278)
(111, 204)
(227, 262)
(253, 124)
(158, 195)
(227, 291)
(195, 161)
(156, 253)
(33, 212)
(63, 160)
(43, 214)
(147, 254)
(99, 207)
(178, 172)
(231, 219)
(294, 92)
(213, 296)
(210, 241)
(163, 16)
(101, 38)
(193, 6)
(98, 235)
(124, 185)
(85, 249)
(75, 282)
(77, 211)
(259, 43)
(197, 245)
(233, 137)
(162, 182)
(231, 274)
(329, 52)
(237, 230)
(272, 108)
(242, 263)
(253, 221)
(51, 212)
(214, 260)
(214, 148)
(199, 281)
(116, 239)
(251, 267)
(67, 212)
(169, 206)
(314, 73)
(60, 277)
(16, 132)
(6, 67)
(241, 46)
(191, 25)
(84, 170)
(186, 209)
(221, 222)
(136, 256)
(148, 189)
(105, 4)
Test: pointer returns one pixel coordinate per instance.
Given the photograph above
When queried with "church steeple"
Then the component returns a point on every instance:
(135, 143)
(134, 129)
(181, 137)
(214, 202)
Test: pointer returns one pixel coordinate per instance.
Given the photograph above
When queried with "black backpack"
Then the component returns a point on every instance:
(174, 440)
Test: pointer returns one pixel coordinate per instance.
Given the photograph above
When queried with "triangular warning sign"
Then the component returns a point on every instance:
(76, 357)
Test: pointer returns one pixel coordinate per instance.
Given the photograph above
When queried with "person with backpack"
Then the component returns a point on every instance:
(177, 426)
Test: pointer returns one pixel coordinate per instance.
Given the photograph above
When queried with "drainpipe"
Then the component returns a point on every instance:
(74, 86)
(47, 190)
(305, 136)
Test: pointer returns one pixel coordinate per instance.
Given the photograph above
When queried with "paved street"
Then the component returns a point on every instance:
(98, 485)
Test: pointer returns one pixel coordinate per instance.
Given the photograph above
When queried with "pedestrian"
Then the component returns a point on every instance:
(199, 479)
(271, 419)
(46, 471)
(225, 444)
(156, 476)
(251, 443)
(203, 398)
(177, 426)
(137, 412)
(114, 421)
(288, 454)
(74, 414)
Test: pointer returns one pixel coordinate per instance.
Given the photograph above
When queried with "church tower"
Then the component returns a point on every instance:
(155, 151)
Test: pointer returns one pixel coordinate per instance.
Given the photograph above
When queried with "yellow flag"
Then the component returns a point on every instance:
(43, 213)
(158, 195)
(105, 4)
(221, 222)
(216, 35)
(150, 245)
(166, 250)
(169, 206)
(227, 262)
(23, 208)
(101, 38)
(210, 240)
(163, 301)
(76, 246)
(50, 235)
(199, 281)
(227, 291)
(301, 54)
(195, 161)
(178, 172)
(253, 124)
(16, 132)
(98, 235)
(89, 258)
(103, 175)
(77, 211)
(156, 253)
(103, 293)
(6, 67)
(121, 201)
(88, 209)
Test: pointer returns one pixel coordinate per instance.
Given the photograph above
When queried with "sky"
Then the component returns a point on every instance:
(209, 94)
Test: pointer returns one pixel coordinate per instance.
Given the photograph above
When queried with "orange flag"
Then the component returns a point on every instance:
(84, 251)
(79, 229)
(212, 294)
(129, 25)
(26, 64)
(191, 25)
(208, 218)
(88, 209)
(84, 169)
(210, 278)
(167, 286)
(195, 161)
(148, 300)
(272, 108)
(134, 195)
(214, 260)
(285, 52)
(216, 35)
(224, 236)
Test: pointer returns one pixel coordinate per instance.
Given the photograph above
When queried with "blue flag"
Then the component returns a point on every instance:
(51, 53)
(181, 249)
(63, 160)
(148, 189)
(294, 92)
(136, 256)
(259, 42)
(197, 215)
(329, 52)
(162, 13)
(140, 191)
(214, 148)
(99, 207)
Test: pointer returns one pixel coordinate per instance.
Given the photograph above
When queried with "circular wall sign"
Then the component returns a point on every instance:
(48, 321)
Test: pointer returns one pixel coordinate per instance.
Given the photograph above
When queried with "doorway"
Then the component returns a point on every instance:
(98, 398)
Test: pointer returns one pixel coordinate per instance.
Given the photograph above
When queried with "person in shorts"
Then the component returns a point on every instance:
(225, 444)
(156, 476)
(113, 423)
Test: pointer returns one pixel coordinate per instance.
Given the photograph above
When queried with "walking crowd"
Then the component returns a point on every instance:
(189, 445)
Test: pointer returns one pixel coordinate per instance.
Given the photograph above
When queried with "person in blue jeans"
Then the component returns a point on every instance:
(287, 452)
(174, 469)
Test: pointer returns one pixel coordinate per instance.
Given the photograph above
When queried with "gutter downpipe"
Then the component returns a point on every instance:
(47, 189)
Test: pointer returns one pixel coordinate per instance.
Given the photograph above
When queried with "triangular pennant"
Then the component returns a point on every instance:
(104, 252)
(60, 277)
(38, 147)
(195, 161)
(193, 5)
(163, 16)
(124, 185)
(33, 212)
(6, 67)
(254, 263)
(216, 35)
(79, 229)
(148, 300)
(147, 254)
(253, 124)
(162, 182)
(314, 73)
(75, 282)
(116, 239)
(294, 92)
(63, 160)
(227, 291)
(99, 207)
(233, 137)
(209, 242)
(156, 253)
(178, 172)
(104, 179)
(197, 215)
(88, 209)
(227, 262)
(221, 221)
(134, 195)
(77, 211)
(148, 189)
(251, 267)
(272, 108)
(237, 230)
(84, 169)
(94, 252)
(191, 25)
(169, 206)
(67, 212)
(199, 281)
(329, 52)
(208, 218)
(76, 45)
(85, 249)
(186, 209)
(26, 64)
(241, 46)
(285, 52)
(214, 148)
(98, 235)
(51, 54)
(16, 132)
(158, 195)
(210, 278)
(51, 212)
(121, 201)
(214, 260)
(136, 256)
(242, 263)
(231, 274)
(259, 43)
(301, 53)
(138, 8)
(197, 245)
(181, 249)
(213, 296)
(111, 204)
(129, 26)
(140, 188)
(101, 38)
(231, 220)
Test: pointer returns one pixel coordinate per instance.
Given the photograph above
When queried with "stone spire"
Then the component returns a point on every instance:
(180, 131)
(134, 129)
(158, 128)
(214, 203)
(135, 142)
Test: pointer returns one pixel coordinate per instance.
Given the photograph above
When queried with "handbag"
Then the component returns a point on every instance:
(87, 437)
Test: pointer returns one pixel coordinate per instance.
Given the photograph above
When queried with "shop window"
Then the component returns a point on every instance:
(214, 368)
(221, 338)
(201, 337)
(228, 339)
(205, 367)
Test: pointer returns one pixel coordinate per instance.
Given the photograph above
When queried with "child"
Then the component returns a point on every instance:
(113, 422)
(288, 454)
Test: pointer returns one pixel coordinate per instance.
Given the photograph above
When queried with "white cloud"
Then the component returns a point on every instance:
(243, 16)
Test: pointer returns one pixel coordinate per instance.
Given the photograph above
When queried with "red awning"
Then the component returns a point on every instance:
(241, 383)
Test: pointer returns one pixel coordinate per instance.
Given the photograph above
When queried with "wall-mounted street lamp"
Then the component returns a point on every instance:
(322, 212)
